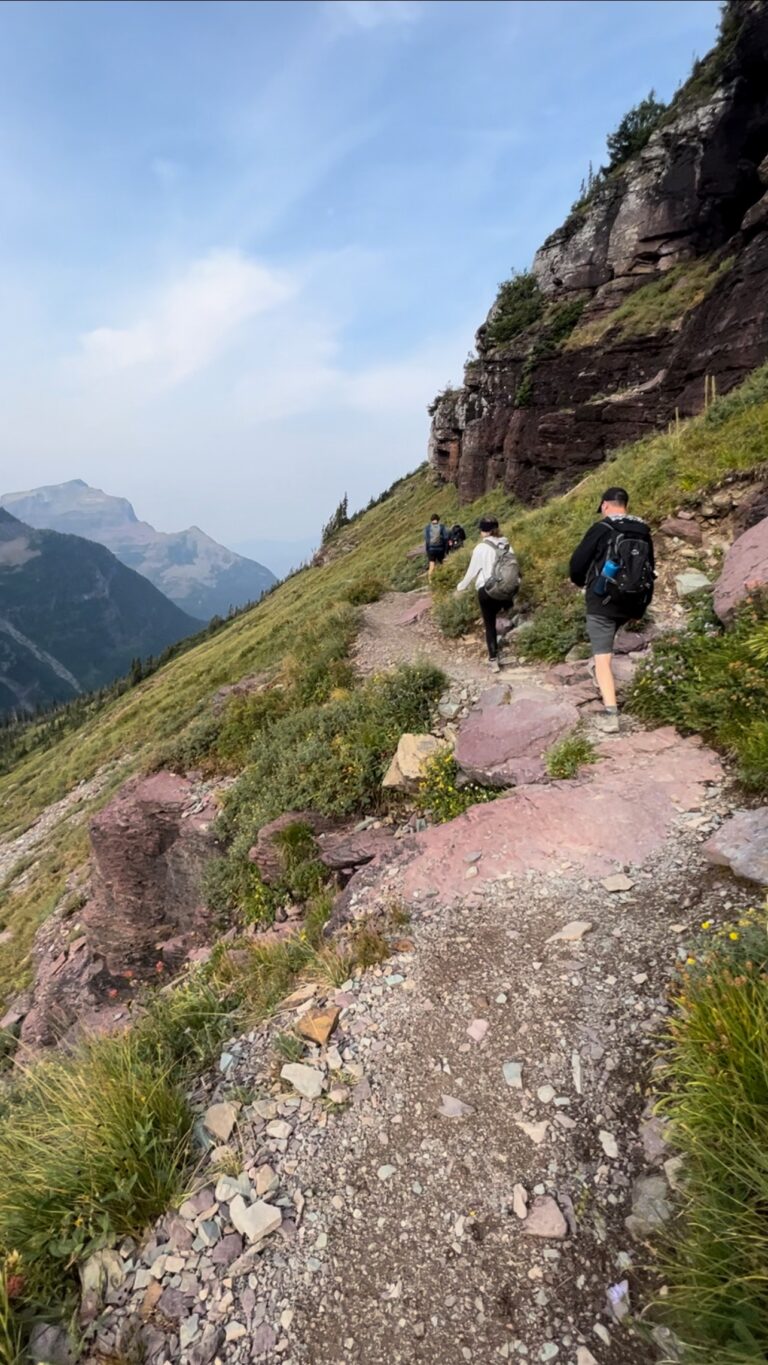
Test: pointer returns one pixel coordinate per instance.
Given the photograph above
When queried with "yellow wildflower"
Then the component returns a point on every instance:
(706, 924)
(734, 934)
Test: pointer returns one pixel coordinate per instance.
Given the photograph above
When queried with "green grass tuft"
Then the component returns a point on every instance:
(713, 682)
(715, 1264)
(566, 757)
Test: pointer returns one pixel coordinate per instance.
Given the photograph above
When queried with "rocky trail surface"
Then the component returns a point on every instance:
(462, 1165)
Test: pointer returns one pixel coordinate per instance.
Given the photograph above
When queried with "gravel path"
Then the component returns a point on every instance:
(447, 1177)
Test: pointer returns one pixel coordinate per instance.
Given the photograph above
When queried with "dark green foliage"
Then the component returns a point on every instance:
(456, 614)
(752, 392)
(519, 304)
(556, 627)
(716, 1099)
(715, 683)
(364, 590)
(330, 757)
(407, 575)
(556, 328)
(338, 519)
(634, 130)
(441, 797)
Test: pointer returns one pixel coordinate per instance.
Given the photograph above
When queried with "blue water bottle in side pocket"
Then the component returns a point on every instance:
(609, 570)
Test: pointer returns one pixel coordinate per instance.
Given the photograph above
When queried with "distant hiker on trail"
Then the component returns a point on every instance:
(435, 542)
(494, 572)
(615, 563)
(456, 537)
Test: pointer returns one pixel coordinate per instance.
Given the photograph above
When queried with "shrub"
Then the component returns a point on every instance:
(565, 758)
(716, 1097)
(714, 682)
(330, 758)
(456, 614)
(634, 130)
(407, 575)
(519, 303)
(556, 627)
(94, 1148)
(319, 663)
(440, 797)
(363, 590)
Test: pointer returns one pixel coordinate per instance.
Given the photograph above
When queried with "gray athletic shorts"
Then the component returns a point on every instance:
(602, 634)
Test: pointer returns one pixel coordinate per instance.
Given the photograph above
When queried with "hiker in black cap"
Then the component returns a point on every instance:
(615, 563)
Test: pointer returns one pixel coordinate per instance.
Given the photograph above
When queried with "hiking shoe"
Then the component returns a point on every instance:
(608, 723)
(494, 665)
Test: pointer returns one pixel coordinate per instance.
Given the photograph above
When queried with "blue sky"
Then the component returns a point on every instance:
(243, 244)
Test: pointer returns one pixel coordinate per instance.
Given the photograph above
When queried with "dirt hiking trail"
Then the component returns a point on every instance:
(448, 1175)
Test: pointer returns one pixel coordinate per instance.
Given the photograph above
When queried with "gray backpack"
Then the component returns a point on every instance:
(505, 578)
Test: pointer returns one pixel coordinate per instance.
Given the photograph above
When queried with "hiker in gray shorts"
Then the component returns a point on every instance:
(615, 563)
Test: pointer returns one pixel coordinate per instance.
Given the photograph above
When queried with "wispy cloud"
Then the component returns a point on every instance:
(186, 326)
(368, 14)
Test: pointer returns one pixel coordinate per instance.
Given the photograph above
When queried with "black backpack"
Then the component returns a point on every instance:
(456, 537)
(631, 588)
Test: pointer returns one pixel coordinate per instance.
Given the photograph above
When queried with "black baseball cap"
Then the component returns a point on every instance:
(619, 495)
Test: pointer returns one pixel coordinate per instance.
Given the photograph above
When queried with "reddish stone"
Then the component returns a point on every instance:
(150, 845)
(742, 844)
(337, 851)
(683, 529)
(504, 739)
(744, 570)
(415, 611)
(636, 792)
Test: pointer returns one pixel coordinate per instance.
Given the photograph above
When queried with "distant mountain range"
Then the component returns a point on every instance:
(72, 617)
(200, 576)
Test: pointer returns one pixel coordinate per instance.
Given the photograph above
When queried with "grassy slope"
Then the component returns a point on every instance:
(659, 472)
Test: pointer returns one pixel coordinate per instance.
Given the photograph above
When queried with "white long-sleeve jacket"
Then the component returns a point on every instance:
(482, 562)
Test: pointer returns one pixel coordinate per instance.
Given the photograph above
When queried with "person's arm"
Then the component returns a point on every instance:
(585, 553)
(475, 565)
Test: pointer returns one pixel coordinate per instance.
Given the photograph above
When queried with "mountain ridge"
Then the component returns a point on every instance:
(200, 576)
(72, 616)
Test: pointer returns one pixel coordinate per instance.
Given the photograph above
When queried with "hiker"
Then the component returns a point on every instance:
(456, 537)
(435, 542)
(494, 572)
(615, 563)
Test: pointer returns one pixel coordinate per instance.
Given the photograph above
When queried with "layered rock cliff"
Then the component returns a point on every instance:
(652, 296)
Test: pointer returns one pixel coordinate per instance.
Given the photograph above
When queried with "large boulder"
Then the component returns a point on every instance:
(504, 739)
(409, 763)
(742, 844)
(744, 570)
(150, 846)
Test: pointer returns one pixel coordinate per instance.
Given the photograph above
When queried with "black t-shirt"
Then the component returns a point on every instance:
(589, 555)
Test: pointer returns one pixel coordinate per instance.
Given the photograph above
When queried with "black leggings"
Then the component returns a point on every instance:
(490, 607)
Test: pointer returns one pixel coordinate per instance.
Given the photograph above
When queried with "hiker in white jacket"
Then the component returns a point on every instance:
(481, 571)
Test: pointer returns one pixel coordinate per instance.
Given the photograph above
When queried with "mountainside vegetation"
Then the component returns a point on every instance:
(72, 617)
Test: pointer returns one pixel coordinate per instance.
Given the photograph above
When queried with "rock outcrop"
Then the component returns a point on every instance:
(141, 916)
(504, 740)
(538, 411)
(745, 570)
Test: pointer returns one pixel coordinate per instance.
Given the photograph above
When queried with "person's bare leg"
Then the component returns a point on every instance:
(604, 678)
(431, 568)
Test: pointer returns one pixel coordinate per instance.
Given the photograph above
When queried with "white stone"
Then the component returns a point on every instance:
(535, 1131)
(618, 882)
(306, 1080)
(220, 1119)
(254, 1221)
(608, 1144)
(513, 1074)
(520, 1201)
(573, 932)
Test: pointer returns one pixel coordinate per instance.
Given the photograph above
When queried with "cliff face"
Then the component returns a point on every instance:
(653, 289)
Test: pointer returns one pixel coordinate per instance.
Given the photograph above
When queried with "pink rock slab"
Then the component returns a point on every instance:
(620, 812)
(415, 611)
